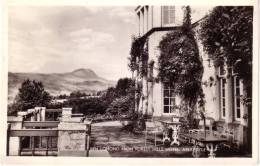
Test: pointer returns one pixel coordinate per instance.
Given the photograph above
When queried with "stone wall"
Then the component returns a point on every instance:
(74, 137)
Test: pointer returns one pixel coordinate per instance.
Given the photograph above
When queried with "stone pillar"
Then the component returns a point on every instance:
(157, 100)
(14, 142)
(43, 113)
(66, 112)
(72, 139)
(31, 113)
(38, 116)
(40, 113)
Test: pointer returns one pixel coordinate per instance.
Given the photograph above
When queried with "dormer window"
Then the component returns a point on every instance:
(168, 15)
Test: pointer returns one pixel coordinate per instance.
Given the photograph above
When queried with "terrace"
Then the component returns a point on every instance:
(58, 132)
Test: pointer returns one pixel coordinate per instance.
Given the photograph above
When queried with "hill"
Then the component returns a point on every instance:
(84, 80)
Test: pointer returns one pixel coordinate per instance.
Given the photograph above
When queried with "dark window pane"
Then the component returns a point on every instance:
(222, 70)
(25, 142)
(237, 81)
(166, 93)
(238, 113)
(238, 102)
(37, 142)
(224, 81)
(224, 112)
(166, 86)
(166, 101)
(166, 109)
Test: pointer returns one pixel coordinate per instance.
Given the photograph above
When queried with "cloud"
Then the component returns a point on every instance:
(88, 38)
(124, 13)
(61, 39)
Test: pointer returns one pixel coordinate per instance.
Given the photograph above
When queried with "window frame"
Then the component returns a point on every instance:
(171, 18)
(235, 97)
(223, 112)
(170, 97)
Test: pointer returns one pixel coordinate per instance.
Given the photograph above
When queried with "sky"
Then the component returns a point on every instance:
(49, 39)
(61, 39)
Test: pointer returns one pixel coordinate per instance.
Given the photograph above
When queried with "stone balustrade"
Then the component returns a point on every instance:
(73, 132)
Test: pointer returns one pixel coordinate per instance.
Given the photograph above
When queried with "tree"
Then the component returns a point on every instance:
(123, 86)
(122, 97)
(32, 94)
(121, 105)
(77, 94)
(227, 36)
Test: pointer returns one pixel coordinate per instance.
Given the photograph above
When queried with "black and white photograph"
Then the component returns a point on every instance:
(136, 81)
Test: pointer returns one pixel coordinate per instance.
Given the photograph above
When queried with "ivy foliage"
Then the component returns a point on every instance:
(226, 34)
(138, 59)
(180, 63)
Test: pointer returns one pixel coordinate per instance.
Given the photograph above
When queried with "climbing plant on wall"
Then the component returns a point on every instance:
(180, 63)
(227, 35)
(138, 59)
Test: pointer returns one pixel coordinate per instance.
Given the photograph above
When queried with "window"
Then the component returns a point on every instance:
(223, 97)
(236, 97)
(168, 14)
(147, 17)
(142, 11)
(139, 23)
(168, 99)
(222, 71)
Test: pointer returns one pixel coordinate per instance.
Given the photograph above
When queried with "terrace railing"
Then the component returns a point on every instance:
(40, 137)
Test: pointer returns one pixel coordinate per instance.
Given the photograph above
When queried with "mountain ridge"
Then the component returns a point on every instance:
(83, 79)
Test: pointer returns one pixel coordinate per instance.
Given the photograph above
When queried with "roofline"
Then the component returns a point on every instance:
(157, 29)
(137, 7)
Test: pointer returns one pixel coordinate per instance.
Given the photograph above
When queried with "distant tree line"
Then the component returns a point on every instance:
(114, 100)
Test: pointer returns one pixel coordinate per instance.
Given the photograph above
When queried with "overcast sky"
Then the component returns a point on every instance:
(62, 39)
(47, 39)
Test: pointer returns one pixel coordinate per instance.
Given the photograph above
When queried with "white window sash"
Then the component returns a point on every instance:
(235, 98)
(221, 99)
(168, 15)
(169, 98)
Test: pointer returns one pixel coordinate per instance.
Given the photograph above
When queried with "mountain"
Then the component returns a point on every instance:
(84, 80)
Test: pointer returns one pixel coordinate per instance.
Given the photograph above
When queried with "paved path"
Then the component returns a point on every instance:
(108, 139)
